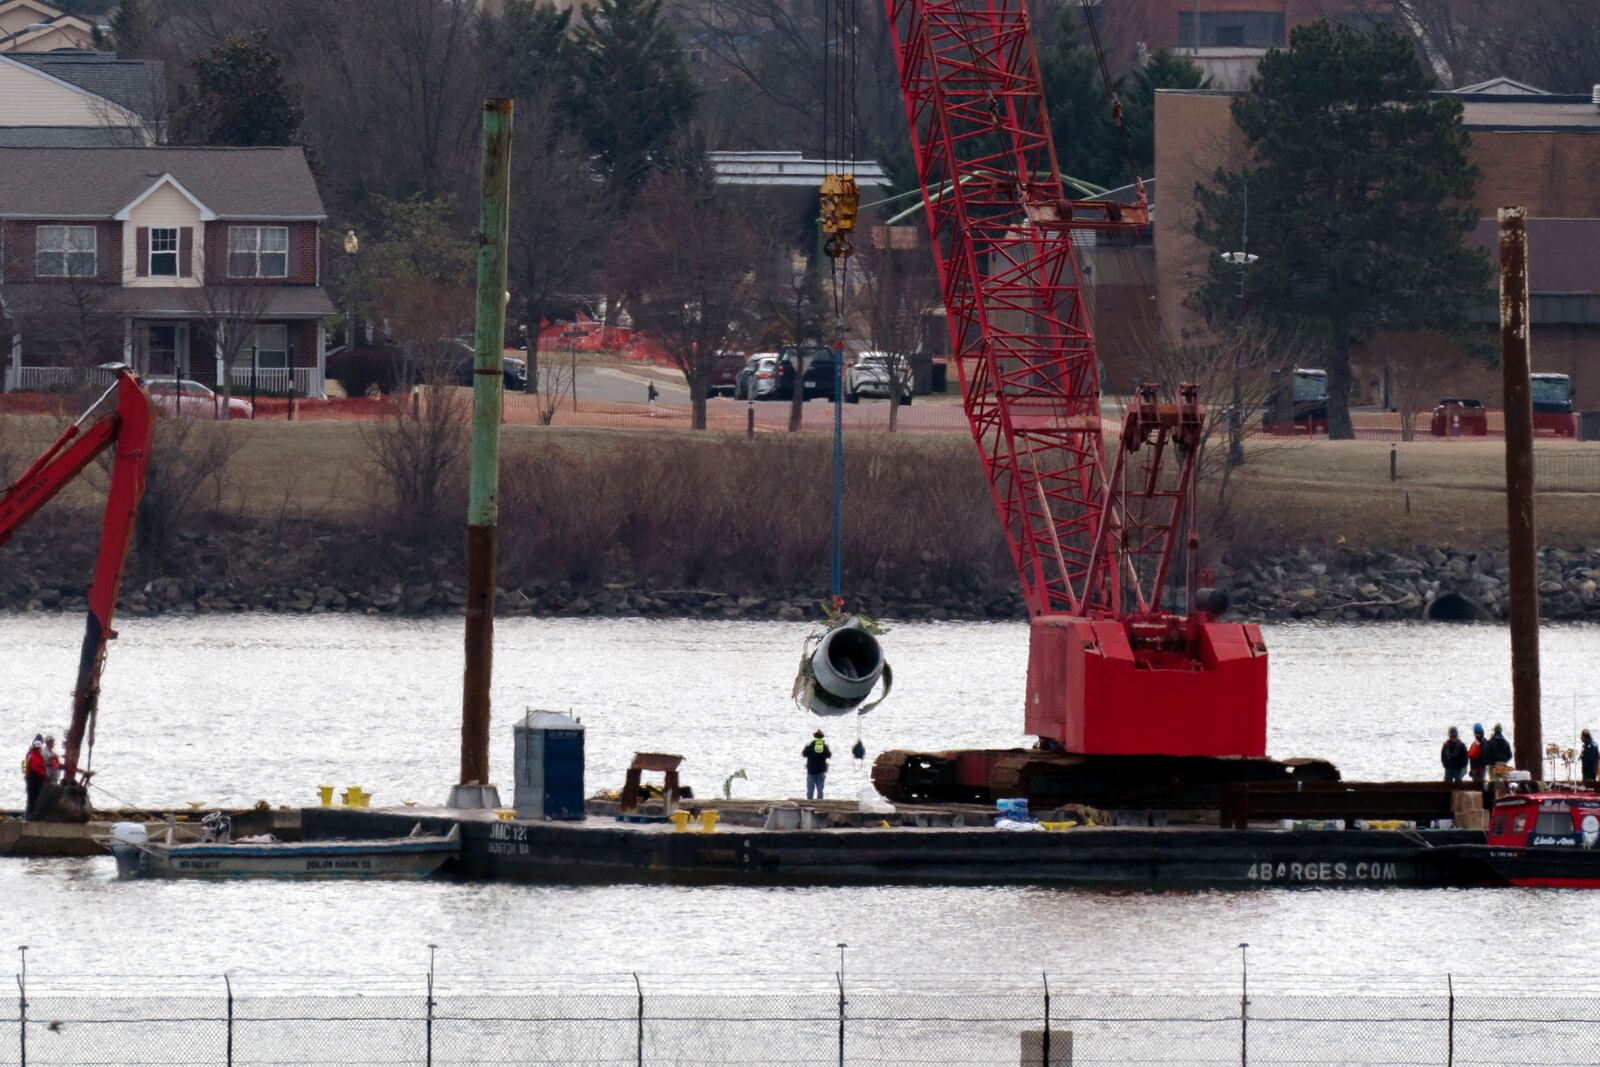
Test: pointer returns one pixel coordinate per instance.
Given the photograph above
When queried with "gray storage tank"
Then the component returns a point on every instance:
(549, 766)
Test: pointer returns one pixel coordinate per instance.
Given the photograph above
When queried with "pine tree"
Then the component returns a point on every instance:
(1087, 144)
(1163, 70)
(526, 47)
(240, 97)
(127, 31)
(632, 92)
(1359, 196)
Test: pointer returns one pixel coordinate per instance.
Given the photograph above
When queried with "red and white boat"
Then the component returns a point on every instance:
(1545, 838)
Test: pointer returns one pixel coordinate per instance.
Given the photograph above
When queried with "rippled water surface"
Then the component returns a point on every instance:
(226, 711)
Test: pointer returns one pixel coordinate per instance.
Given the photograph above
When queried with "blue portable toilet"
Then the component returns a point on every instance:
(549, 766)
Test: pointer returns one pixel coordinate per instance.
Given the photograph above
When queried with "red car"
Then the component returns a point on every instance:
(725, 374)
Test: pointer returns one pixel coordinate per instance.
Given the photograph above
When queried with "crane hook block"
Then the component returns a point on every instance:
(839, 199)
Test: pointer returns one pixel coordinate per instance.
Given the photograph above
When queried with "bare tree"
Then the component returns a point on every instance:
(693, 261)
(558, 226)
(1214, 361)
(70, 322)
(559, 378)
(1415, 375)
(430, 321)
(231, 312)
(418, 450)
(898, 286)
(1550, 44)
(186, 457)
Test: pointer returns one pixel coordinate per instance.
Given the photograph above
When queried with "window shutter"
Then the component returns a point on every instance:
(186, 252)
(141, 251)
(26, 250)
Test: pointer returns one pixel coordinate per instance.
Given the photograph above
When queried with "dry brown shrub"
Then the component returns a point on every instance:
(753, 514)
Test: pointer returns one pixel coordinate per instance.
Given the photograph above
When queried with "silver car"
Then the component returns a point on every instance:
(758, 378)
(872, 374)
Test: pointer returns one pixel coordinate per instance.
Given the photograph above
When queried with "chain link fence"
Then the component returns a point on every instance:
(654, 1023)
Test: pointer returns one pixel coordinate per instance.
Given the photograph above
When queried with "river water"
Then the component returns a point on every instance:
(231, 710)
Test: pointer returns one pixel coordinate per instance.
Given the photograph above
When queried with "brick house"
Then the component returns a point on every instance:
(1533, 149)
(173, 260)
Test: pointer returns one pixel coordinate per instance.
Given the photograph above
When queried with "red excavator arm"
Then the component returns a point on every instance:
(127, 426)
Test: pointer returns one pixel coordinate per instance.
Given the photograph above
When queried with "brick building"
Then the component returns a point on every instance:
(154, 256)
(1227, 38)
(1540, 151)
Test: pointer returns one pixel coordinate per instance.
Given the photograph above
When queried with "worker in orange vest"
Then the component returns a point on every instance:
(35, 773)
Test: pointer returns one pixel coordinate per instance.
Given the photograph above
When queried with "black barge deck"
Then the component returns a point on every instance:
(601, 850)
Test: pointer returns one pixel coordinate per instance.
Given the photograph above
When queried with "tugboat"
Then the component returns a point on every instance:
(1545, 837)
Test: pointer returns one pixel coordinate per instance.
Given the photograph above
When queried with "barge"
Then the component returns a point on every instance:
(601, 850)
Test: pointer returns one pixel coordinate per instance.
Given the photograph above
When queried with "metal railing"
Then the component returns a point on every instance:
(655, 1021)
(57, 379)
(276, 380)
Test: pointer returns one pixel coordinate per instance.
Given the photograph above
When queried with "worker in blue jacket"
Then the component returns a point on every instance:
(1589, 758)
(816, 755)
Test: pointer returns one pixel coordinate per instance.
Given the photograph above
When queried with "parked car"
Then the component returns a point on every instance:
(1552, 405)
(819, 375)
(384, 368)
(1454, 417)
(725, 374)
(189, 399)
(758, 378)
(872, 374)
(514, 371)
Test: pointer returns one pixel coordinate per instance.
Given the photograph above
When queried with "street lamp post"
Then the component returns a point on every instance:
(1240, 261)
(352, 245)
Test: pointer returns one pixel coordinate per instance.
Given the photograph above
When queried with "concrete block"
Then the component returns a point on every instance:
(1033, 1048)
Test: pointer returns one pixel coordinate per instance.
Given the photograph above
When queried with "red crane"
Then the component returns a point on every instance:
(127, 426)
(1124, 686)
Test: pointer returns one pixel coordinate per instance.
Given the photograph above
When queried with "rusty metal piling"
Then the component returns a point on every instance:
(1522, 540)
(483, 509)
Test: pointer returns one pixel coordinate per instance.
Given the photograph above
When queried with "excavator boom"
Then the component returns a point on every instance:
(127, 428)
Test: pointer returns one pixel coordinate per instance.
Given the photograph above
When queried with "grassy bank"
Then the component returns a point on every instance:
(672, 510)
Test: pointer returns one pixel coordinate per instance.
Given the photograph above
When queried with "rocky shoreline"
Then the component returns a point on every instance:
(242, 571)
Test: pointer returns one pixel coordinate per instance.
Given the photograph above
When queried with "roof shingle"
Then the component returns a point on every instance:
(140, 85)
(99, 182)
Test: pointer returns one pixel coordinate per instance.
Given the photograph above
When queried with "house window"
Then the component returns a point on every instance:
(66, 252)
(272, 345)
(258, 251)
(1232, 29)
(164, 252)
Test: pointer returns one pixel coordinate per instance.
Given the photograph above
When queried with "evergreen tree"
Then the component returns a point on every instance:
(526, 48)
(1163, 70)
(127, 30)
(1359, 196)
(240, 97)
(1087, 144)
(632, 92)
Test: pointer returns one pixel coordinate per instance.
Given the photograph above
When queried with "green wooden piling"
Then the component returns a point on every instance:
(483, 507)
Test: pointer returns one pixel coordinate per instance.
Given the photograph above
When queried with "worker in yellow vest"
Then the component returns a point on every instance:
(817, 755)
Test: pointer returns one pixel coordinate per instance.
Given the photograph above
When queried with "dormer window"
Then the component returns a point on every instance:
(66, 252)
(163, 252)
(258, 251)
